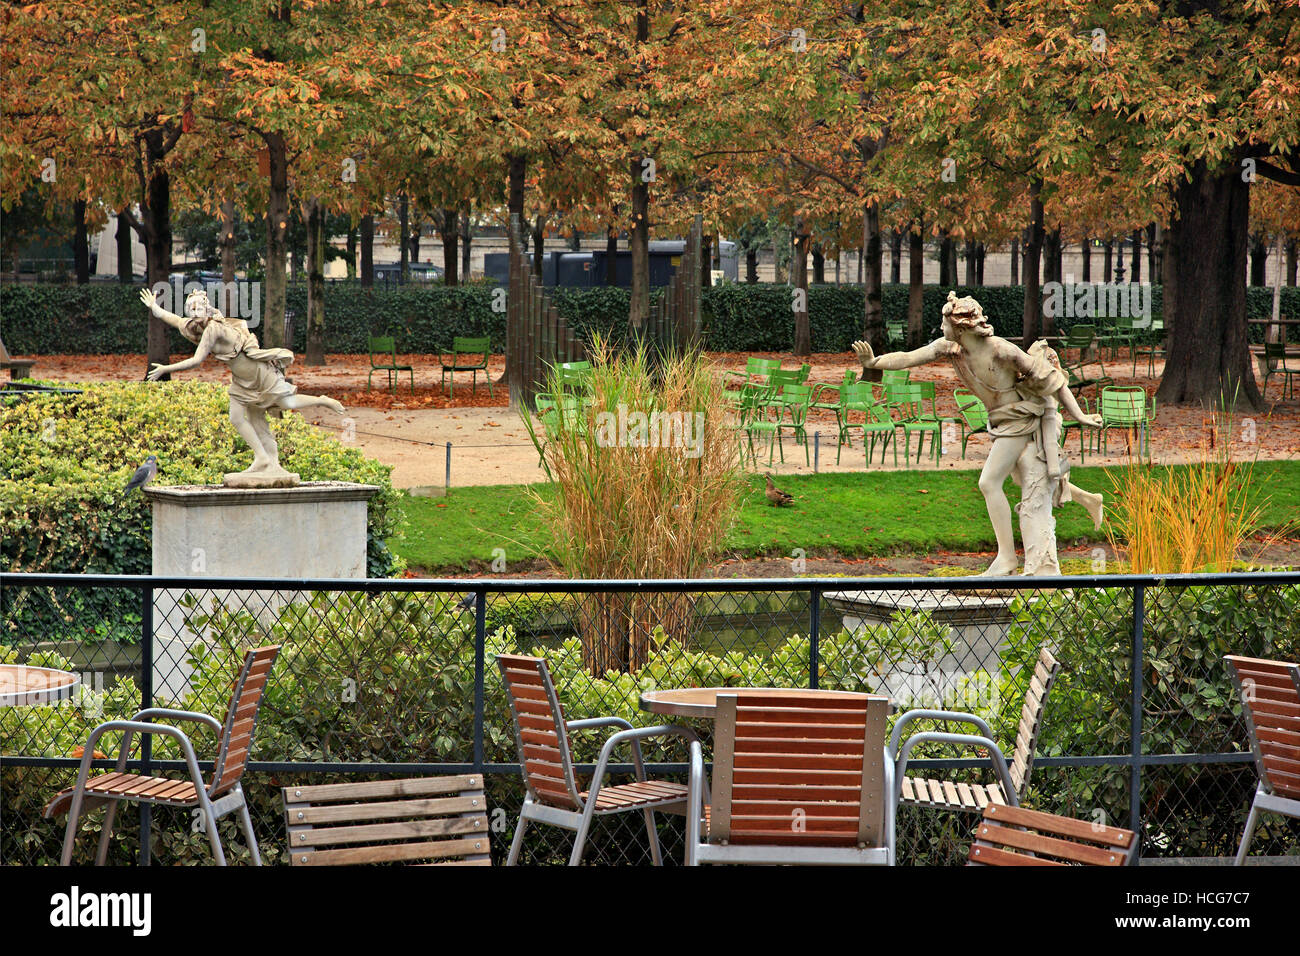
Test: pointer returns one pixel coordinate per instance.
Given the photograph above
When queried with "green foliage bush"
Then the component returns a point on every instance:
(64, 460)
(101, 319)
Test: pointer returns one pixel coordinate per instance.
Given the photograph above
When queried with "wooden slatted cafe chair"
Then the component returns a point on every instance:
(798, 778)
(215, 799)
(553, 795)
(1270, 696)
(431, 820)
(1014, 836)
(1011, 783)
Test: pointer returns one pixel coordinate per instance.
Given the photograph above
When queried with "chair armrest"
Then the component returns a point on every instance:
(588, 722)
(167, 712)
(968, 740)
(912, 716)
(634, 737)
(130, 728)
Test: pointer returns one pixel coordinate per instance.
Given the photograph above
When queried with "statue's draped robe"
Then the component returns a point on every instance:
(257, 374)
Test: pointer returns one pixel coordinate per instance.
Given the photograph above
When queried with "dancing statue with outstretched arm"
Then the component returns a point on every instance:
(1021, 390)
(257, 382)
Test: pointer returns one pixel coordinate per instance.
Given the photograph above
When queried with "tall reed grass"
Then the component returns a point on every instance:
(647, 485)
(1198, 518)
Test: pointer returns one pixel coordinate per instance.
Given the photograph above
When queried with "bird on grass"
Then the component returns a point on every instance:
(775, 496)
(143, 475)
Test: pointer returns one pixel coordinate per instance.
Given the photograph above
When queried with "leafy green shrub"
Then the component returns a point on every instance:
(51, 319)
(66, 458)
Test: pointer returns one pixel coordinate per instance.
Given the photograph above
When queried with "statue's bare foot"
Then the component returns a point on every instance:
(257, 466)
(1001, 567)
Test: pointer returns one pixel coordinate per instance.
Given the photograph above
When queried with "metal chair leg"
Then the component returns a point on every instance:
(1249, 834)
(653, 832)
(214, 838)
(101, 855)
(580, 839)
(246, 824)
(517, 843)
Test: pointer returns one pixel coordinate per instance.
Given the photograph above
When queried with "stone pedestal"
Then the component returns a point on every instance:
(978, 623)
(312, 530)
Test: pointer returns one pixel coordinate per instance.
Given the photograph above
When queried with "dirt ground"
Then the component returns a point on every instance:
(490, 443)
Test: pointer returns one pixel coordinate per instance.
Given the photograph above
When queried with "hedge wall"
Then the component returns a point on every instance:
(52, 319)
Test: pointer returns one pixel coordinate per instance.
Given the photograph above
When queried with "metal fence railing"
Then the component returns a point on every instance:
(383, 677)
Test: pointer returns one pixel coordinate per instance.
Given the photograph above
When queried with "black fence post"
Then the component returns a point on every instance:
(814, 636)
(146, 701)
(480, 648)
(1135, 723)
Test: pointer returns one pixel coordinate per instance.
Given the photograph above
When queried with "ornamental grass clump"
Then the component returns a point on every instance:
(646, 480)
(1191, 519)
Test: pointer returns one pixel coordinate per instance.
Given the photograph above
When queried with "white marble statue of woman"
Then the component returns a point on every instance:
(1021, 390)
(257, 382)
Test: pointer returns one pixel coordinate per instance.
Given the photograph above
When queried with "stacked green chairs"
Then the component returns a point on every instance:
(880, 425)
(759, 413)
(909, 401)
(973, 415)
(827, 398)
(792, 415)
(1121, 334)
(890, 377)
(756, 371)
(1126, 409)
(1150, 344)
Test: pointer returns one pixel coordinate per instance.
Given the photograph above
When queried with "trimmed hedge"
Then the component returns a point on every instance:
(104, 319)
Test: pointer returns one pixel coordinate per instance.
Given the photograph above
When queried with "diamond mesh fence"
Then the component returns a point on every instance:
(397, 678)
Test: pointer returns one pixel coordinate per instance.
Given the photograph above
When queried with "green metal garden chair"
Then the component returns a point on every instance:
(1127, 409)
(909, 401)
(1150, 343)
(1275, 352)
(454, 361)
(381, 346)
(792, 407)
(973, 415)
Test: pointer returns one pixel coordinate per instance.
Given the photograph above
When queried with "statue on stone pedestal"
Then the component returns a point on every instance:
(1021, 390)
(257, 382)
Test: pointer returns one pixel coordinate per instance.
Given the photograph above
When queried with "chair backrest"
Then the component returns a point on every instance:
(241, 718)
(972, 410)
(1031, 719)
(381, 344)
(895, 376)
(1275, 350)
(799, 769)
(857, 395)
(1014, 836)
(783, 376)
(797, 397)
(1270, 696)
(1081, 336)
(430, 819)
(1123, 405)
(542, 738)
(804, 371)
(471, 346)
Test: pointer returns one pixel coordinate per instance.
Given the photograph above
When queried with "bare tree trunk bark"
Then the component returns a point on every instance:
(125, 258)
(1033, 306)
(915, 286)
(228, 244)
(1085, 249)
(896, 256)
(450, 247)
(1015, 262)
(315, 344)
(611, 256)
(465, 227)
(277, 244)
(403, 230)
(873, 327)
(367, 251)
(639, 245)
(80, 243)
(799, 270)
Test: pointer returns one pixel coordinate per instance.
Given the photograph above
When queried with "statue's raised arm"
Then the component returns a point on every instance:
(158, 312)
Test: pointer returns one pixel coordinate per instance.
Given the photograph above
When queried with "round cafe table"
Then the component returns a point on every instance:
(22, 686)
(703, 701)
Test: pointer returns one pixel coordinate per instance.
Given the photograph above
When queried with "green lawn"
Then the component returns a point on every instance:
(848, 514)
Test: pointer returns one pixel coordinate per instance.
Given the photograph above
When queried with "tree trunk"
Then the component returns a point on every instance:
(1205, 295)
(513, 377)
(125, 258)
(156, 218)
(1108, 261)
(1291, 261)
(611, 256)
(979, 264)
(315, 350)
(80, 243)
(367, 230)
(1259, 260)
(538, 230)
(639, 245)
(465, 227)
(1051, 273)
(799, 272)
(873, 326)
(1135, 270)
(818, 264)
(352, 252)
(403, 227)
(895, 257)
(751, 264)
(1033, 306)
(706, 261)
(413, 240)
(228, 245)
(1153, 251)
(915, 286)
(1085, 249)
(970, 262)
(450, 247)
(277, 234)
(1015, 262)
(947, 261)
